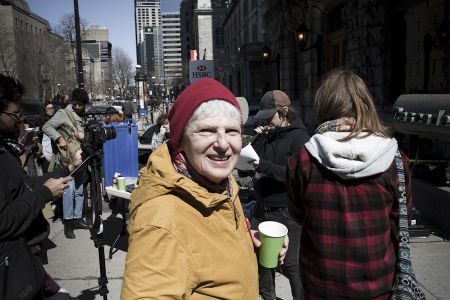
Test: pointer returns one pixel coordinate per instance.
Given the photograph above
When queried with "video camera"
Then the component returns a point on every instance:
(95, 135)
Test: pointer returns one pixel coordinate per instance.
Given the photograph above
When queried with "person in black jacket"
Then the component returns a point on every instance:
(22, 198)
(282, 136)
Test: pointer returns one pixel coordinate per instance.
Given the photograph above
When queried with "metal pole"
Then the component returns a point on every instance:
(80, 76)
(138, 91)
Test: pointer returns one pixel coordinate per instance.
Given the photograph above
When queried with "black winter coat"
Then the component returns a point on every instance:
(274, 149)
(22, 199)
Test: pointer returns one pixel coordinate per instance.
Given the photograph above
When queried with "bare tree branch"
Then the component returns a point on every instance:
(122, 71)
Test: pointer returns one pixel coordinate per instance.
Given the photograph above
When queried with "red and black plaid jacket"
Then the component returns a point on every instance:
(347, 248)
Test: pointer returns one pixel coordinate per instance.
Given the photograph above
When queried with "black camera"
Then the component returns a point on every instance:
(95, 135)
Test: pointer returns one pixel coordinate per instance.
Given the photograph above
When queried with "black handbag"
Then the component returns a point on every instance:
(21, 273)
(406, 286)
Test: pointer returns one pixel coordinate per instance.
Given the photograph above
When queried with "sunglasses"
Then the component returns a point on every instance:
(15, 116)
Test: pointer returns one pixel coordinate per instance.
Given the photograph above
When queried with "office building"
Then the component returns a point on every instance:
(171, 45)
(30, 51)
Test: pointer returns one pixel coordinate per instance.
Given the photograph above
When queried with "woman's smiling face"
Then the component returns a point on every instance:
(212, 146)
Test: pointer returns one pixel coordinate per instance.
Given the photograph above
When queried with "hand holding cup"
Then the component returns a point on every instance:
(272, 241)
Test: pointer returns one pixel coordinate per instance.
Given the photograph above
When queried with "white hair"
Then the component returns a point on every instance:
(215, 108)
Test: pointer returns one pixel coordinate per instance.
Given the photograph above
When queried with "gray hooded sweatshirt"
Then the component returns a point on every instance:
(356, 158)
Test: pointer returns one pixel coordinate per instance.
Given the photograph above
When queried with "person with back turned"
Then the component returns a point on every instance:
(343, 189)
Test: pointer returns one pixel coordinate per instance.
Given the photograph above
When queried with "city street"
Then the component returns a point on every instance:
(75, 263)
(300, 70)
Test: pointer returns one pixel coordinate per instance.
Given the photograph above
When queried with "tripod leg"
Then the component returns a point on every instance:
(97, 227)
(102, 280)
(111, 249)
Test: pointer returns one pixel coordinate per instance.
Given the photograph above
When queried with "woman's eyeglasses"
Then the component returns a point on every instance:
(50, 107)
(15, 116)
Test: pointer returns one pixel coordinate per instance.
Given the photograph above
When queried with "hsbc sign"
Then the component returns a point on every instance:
(199, 69)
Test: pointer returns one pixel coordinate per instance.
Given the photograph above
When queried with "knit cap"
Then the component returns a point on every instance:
(189, 100)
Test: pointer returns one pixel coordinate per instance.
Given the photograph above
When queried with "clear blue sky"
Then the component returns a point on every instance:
(117, 16)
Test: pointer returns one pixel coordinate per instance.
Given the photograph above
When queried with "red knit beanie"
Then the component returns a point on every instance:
(189, 100)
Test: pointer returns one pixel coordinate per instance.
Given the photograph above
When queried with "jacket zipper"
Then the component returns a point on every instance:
(235, 213)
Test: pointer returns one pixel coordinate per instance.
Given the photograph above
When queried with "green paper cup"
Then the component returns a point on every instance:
(121, 183)
(272, 236)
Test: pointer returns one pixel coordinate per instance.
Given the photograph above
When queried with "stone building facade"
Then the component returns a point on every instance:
(202, 31)
(397, 47)
(30, 51)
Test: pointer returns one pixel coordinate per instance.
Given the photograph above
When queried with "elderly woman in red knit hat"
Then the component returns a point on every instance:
(188, 235)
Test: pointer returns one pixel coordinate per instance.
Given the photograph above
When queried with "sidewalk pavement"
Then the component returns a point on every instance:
(74, 264)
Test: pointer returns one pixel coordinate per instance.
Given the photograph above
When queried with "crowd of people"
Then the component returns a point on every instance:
(335, 191)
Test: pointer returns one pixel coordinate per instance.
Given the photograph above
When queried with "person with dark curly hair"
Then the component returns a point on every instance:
(22, 198)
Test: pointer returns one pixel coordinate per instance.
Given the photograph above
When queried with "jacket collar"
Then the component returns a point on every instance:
(160, 178)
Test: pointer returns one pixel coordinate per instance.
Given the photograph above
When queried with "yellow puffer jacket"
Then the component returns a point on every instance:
(185, 242)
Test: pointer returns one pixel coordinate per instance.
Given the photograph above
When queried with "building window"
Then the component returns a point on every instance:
(335, 38)
(336, 56)
(254, 33)
(335, 19)
(219, 38)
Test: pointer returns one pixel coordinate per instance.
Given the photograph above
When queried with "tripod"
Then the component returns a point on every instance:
(93, 205)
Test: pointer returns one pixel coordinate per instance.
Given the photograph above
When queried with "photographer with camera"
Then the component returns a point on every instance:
(65, 128)
(22, 198)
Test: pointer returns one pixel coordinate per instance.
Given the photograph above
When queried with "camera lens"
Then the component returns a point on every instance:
(110, 133)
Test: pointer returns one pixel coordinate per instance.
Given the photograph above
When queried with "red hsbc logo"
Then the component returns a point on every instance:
(201, 68)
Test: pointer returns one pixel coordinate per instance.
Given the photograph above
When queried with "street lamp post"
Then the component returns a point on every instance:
(137, 79)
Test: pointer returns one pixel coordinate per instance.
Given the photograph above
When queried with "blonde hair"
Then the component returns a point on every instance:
(344, 94)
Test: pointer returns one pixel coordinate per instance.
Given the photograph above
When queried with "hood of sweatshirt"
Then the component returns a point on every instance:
(357, 158)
